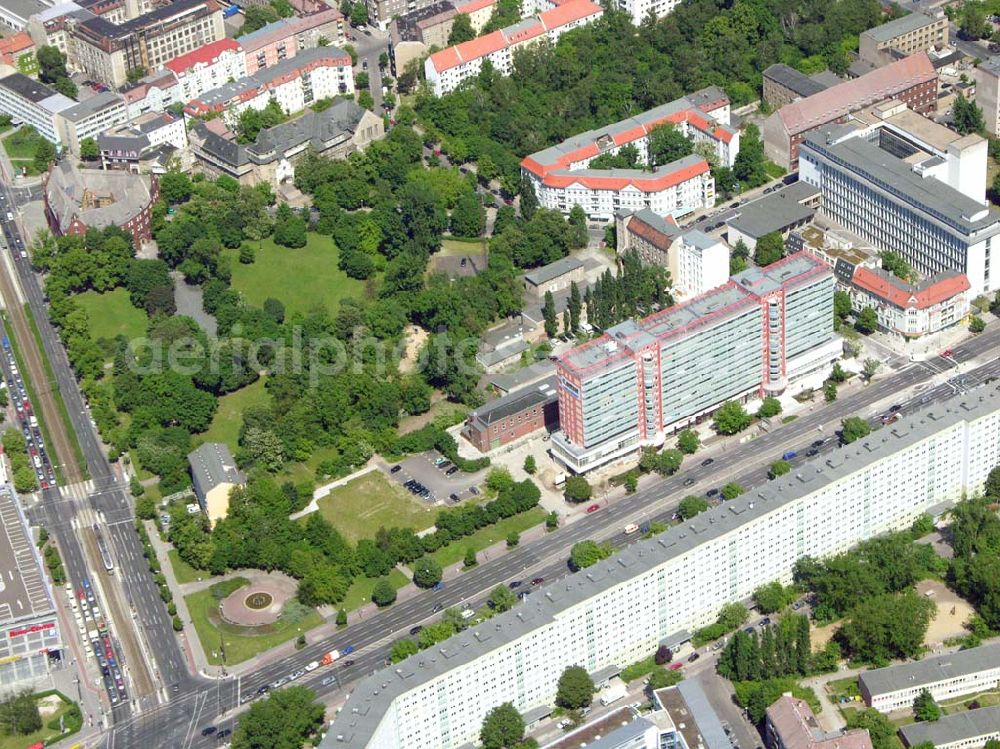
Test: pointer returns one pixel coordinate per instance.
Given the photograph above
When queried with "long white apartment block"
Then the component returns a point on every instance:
(622, 608)
(946, 677)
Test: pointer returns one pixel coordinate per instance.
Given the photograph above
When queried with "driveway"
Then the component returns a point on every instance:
(421, 468)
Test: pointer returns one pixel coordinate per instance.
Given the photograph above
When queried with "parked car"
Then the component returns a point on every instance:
(514, 584)
(451, 470)
(538, 581)
(707, 462)
(693, 657)
(396, 468)
(416, 630)
(593, 508)
(439, 585)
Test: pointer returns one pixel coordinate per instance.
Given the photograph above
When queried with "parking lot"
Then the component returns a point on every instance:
(439, 484)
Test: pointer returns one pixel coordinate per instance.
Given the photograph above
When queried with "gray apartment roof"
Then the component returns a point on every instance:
(68, 185)
(888, 31)
(512, 403)
(212, 464)
(775, 212)
(372, 696)
(525, 376)
(336, 123)
(552, 271)
(798, 83)
(712, 733)
(92, 105)
(699, 239)
(930, 670)
(37, 93)
(970, 724)
(25, 593)
(895, 177)
(61, 9)
(22, 9)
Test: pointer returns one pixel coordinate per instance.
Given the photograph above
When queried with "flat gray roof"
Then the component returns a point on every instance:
(22, 9)
(213, 464)
(798, 83)
(930, 670)
(361, 714)
(36, 92)
(552, 271)
(895, 177)
(92, 105)
(775, 212)
(24, 593)
(888, 31)
(971, 724)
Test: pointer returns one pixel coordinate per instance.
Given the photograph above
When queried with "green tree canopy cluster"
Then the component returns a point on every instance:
(888, 564)
(781, 649)
(283, 720)
(588, 553)
(638, 289)
(975, 535)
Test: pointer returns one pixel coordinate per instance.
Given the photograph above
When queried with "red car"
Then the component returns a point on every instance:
(593, 508)
(538, 581)
(676, 665)
(946, 353)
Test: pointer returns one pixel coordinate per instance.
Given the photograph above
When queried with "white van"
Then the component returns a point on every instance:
(631, 528)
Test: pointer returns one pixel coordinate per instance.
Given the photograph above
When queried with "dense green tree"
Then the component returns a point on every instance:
(691, 505)
(45, 154)
(577, 489)
(973, 24)
(773, 597)
(769, 407)
(837, 373)
(668, 462)
(574, 305)
(89, 150)
(976, 324)
(175, 187)
(830, 391)
(841, 304)
(588, 553)
(503, 728)
(732, 490)
(896, 264)
(731, 418)
(384, 592)
(468, 218)
(662, 678)
(403, 649)
(461, 29)
(688, 441)
(282, 720)
(667, 144)
(925, 708)
(748, 167)
(575, 689)
(19, 715)
(51, 63)
(853, 428)
(426, 572)
(881, 730)
(867, 321)
(470, 558)
(769, 249)
(779, 468)
(503, 598)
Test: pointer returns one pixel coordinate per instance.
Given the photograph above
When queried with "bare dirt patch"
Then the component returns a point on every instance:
(952, 613)
(415, 339)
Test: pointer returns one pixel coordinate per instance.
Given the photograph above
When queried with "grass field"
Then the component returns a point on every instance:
(484, 537)
(450, 246)
(360, 591)
(239, 644)
(360, 507)
(300, 279)
(111, 314)
(226, 423)
(22, 144)
(183, 571)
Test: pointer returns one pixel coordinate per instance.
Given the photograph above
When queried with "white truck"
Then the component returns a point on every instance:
(613, 693)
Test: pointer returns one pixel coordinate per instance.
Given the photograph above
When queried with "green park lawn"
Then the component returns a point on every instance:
(359, 508)
(300, 279)
(21, 144)
(225, 425)
(183, 571)
(239, 644)
(360, 591)
(450, 246)
(111, 314)
(455, 551)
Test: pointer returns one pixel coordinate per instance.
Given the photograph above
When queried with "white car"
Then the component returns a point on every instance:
(312, 666)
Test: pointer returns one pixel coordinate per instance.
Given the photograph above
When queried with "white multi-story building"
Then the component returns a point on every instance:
(32, 103)
(90, 117)
(893, 193)
(446, 69)
(946, 677)
(208, 67)
(562, 177)
(622, 608)
(697, 262)
(313, 74)
(138, 145)
(154, 93)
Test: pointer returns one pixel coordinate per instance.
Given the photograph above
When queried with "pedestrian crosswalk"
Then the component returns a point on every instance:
(79, 490)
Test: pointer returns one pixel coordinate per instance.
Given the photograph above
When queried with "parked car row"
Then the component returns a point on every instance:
(18, 397)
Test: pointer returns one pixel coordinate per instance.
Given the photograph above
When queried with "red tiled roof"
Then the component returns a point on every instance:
(642, 181)
(651, 234)
(19, 42)
(205, 55)
(844, 98)
(904, 295)
(466, 51)
(473, 5)
(568, 12)
(573, 10)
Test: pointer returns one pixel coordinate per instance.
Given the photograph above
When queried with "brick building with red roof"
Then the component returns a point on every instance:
(912, 80)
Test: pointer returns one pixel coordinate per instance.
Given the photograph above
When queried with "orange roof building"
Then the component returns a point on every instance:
(446, 69)
(909, 310)
(791, 724)
(13, 47)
